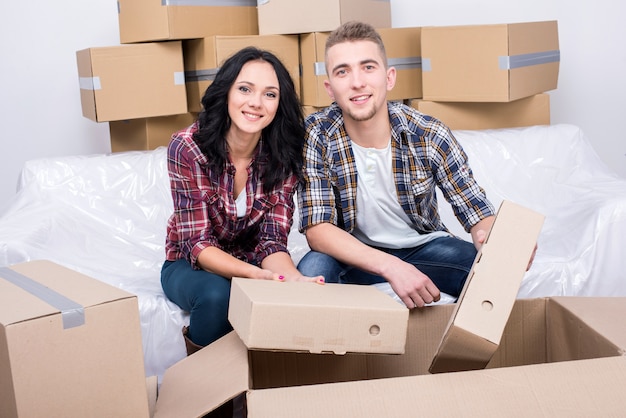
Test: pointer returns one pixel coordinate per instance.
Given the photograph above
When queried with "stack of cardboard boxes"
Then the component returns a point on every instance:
(472, 77)
(489, 76)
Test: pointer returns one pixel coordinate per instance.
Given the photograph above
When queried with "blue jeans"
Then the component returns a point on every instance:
(445, 260)
(204, 295)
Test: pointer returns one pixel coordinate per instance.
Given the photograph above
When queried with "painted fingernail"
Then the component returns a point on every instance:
(281, 277)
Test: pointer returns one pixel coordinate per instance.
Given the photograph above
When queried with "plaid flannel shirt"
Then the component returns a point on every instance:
(205, 212)
(425, 156)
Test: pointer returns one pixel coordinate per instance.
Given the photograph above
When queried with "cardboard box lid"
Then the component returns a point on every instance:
(577, 325)
(481, 313)
(309, 317)
(41, 288)
(581, 388)
(203, 381)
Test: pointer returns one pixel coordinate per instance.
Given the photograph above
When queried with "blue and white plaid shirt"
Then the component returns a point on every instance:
(425, 155)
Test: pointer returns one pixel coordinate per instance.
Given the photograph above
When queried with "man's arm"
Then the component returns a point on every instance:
(413, 287)
(480, 231)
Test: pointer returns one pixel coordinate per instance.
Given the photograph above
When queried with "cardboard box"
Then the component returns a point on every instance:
(403, 53)
(363, 318)
(489, 63)
(302, 16)
(542, 364)
(70, 345)
(477, 323)
(307, 110)
(203, 57)
(132, 81)
(285, 367)
(529, 111)
(159, 20)
(147, 133)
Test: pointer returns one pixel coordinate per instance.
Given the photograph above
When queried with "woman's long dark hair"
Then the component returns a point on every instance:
(283, 138)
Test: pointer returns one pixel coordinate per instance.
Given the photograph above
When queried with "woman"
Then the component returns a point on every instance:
(233, 175)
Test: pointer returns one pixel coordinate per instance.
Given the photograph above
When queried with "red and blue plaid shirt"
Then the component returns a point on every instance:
(205, 213)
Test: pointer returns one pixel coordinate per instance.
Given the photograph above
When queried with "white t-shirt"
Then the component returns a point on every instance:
(380, 220)
(240, 202)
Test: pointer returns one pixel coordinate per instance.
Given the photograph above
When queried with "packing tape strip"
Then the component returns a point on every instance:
(201, 75)
(72, 313)
(89, 83)
(208, 2)
(405, 63)
(515, 61)
(526, 60)
(93, 83)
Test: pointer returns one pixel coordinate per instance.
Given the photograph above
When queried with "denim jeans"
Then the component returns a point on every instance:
(204, 295)
(445, 260)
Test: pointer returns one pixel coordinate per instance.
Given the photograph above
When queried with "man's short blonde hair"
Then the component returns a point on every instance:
(356, 31)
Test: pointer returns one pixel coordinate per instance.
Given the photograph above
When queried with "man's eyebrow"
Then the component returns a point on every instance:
(365, 61)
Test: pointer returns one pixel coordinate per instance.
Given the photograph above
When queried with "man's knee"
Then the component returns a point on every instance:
(315, 263)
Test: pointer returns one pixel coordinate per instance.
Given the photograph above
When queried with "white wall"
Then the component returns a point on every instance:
(40, 105)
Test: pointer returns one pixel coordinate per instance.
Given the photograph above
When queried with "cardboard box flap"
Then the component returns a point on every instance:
(205, 380)
(44, 288)
(270, 315)
(580, 327)
(490, 290)
(563, 389)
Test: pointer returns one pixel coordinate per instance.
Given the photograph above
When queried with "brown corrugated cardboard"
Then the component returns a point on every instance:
(204, 56)
(529, 111)
(489, 63)
(539, 333)
(70, 345)
(146, 133)
(584, 388)
(403, 52)
(303, 16)
(307, 110)
(158, 20)
(132, 81)
(478, 320)
(535, 332)
(364, 319)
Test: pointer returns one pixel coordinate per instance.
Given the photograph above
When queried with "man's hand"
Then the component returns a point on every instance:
(412, 286)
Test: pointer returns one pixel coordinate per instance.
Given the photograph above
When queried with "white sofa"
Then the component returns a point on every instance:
(105, 216)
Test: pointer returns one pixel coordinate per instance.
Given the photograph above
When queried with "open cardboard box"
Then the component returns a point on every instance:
(487, 328)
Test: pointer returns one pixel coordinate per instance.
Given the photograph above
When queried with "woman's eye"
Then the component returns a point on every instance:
(271, 95)
(244, 89)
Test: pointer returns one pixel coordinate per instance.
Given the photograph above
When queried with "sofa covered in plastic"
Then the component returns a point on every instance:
(105, 216)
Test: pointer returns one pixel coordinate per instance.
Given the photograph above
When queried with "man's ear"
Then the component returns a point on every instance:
(391, 78)
(329, 90)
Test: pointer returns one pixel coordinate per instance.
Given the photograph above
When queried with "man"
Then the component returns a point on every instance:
(368, 205)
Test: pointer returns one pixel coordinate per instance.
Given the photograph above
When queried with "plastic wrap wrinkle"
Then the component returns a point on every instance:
(105, 216)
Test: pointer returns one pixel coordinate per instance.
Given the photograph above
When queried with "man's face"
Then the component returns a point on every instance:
(358, 79)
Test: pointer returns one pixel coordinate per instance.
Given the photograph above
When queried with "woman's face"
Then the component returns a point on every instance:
(253, 98)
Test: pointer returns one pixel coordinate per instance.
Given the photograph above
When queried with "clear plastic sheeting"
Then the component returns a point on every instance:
(105, 216)
(555, 171)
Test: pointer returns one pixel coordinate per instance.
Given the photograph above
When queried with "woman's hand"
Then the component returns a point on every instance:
(301, 278)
